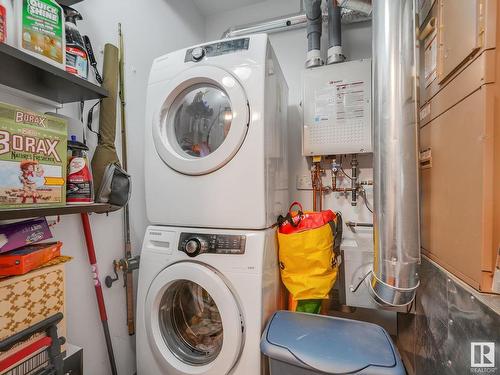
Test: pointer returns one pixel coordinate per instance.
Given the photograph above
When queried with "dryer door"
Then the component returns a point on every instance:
(193, 321)
(202, 122)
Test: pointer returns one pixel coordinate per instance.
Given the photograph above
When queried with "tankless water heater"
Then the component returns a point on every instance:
(337, 109)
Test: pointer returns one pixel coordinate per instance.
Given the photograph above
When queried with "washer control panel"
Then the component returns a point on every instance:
(216, 49)
(194, 244)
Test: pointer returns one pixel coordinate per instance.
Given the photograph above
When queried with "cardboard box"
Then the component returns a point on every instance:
(27, 300)
(23, 260)
(31, 298)
(33, 158)
(19, 234)
(460, 140)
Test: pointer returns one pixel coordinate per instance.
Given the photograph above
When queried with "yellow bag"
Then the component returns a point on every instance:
(306, 253)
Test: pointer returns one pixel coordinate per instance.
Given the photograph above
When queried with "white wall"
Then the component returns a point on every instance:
(291, 47)
(150, 30)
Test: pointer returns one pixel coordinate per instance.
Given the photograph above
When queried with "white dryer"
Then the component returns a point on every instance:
(204, 298)
(216, 136)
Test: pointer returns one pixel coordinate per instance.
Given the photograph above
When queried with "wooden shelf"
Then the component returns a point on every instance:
(69, 2)
(27, 73)
(21, 213)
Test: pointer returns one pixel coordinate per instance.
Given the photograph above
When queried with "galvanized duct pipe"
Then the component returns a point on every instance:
(361, 6)
(396, 196)
(335, 54)
(314, 29)
(288, 22)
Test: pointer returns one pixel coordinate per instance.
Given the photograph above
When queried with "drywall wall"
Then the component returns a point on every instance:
(291, 47)
(150, 30)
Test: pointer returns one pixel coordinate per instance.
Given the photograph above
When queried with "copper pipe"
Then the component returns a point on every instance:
(313, 184)
(317, 186)
(320, 187)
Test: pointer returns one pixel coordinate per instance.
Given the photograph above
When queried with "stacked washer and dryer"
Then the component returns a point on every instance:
(216, 180)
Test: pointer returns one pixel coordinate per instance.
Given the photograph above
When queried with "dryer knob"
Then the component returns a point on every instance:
(198, 53)
(192, 247)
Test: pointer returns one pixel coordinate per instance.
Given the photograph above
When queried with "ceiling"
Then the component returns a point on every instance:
(210, 7)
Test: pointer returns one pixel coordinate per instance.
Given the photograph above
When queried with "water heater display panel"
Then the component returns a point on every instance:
(337, 109)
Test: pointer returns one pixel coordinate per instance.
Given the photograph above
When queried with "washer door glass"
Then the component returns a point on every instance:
(190, 323)
(193, 321)
(201, 118)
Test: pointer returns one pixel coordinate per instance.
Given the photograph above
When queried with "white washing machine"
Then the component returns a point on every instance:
(216, 136)
(204, 298)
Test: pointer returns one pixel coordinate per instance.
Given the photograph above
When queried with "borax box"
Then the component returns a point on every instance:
(33, 158)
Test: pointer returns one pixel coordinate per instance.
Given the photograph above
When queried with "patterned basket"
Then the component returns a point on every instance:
(31, 298)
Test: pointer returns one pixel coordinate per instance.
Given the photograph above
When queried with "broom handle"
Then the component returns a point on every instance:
(98, 290)
(129, 282)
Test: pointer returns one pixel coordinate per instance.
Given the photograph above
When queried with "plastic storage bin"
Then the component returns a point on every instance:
(306, 344)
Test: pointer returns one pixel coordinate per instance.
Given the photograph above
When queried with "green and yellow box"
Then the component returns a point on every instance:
(33, 158)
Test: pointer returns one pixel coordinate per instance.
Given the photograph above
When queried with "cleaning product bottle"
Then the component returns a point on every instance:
(76, 54)
(40, 30)
(79, 187)
(7, 28)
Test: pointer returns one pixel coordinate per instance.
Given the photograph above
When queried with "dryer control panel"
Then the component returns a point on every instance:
(216, 49)
(194, 244)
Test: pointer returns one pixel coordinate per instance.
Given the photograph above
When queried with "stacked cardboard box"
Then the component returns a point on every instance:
(460, 137)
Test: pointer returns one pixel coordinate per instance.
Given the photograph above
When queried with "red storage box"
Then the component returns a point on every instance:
(21, 261)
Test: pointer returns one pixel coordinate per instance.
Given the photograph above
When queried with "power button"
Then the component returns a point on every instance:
(192, 247)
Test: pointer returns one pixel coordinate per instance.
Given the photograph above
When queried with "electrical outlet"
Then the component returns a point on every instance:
(303, 182)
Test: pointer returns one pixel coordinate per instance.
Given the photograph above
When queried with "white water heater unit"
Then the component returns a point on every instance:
(337, 109)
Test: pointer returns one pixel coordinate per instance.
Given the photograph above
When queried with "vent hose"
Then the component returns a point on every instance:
(334, 33)
(314, 29)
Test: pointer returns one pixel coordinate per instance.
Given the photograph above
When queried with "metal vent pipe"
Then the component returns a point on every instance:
(272, 25)
(289, 22)
(394, 278)
(361, 6)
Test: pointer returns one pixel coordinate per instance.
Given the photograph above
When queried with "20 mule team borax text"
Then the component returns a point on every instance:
(33, 158)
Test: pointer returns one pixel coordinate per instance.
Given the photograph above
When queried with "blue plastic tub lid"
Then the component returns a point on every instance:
(327, 344)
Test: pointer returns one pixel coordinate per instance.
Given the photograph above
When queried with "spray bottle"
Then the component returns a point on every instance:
(79, 187)
(76, 54)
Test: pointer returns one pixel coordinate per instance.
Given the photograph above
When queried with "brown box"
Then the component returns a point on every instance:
(460, 138)
(31, 298)
(454, 34)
